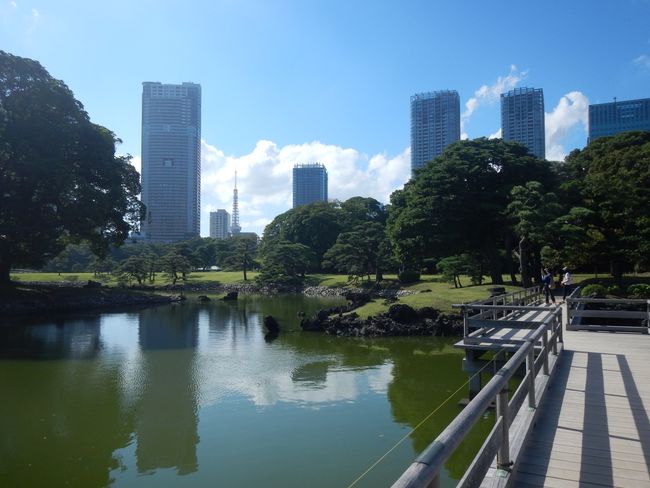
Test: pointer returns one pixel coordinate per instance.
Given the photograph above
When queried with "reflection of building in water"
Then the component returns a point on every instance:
(313, 374)
(166, 424)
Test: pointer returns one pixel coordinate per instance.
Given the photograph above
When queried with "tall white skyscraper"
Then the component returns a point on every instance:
(435, 123)
(171, 161)
(522, 119)
(219, 224)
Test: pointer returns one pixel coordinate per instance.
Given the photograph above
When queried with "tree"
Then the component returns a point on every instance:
(361, 252)
(238, 253)
(456, 203)
(61, 180)
(531, 210)
(175, 266)
(611, 177)
(206, 254)
(316, 226)
(286, 262)
(134, 268)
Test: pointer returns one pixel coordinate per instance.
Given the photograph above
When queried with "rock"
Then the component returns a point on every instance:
(271, 324)
(93, 284)
(428, 313)
(203, 298)
(402, 314)
(231, 295)
(496, 290)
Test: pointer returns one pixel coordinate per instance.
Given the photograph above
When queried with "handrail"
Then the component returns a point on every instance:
(425, 470)
(574, 303)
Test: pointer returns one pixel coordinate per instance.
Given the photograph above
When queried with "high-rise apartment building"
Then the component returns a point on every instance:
(607, 119)
(219, 224)
(171, 161)
(522, 119)
(435, 123)
(309, 184)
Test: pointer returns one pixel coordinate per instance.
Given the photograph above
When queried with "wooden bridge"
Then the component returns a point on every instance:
(580, 416)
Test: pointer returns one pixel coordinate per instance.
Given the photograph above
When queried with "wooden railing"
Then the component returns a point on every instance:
(425, 470)
(576, 311)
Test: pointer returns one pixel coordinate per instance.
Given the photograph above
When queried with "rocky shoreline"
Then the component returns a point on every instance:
(400, 320)
(42, 299)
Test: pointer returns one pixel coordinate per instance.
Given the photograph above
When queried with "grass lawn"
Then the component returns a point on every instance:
(431, 291)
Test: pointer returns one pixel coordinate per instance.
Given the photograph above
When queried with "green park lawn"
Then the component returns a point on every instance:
(431, 291)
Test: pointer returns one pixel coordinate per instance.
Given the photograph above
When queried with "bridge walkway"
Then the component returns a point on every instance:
(593, 428)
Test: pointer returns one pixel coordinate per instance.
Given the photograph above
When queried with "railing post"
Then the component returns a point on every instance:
(530, 367)
(560, 329)
(553, 336)
(494, 311)
(503, 454)
(545, 350)
(463, 310)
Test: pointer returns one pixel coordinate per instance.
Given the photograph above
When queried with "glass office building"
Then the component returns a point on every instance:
(522, 119)
(309, 184)
(171, 161)
(608, 119)
(435, 123)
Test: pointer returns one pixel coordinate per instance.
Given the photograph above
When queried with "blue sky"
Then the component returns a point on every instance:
(289, 81)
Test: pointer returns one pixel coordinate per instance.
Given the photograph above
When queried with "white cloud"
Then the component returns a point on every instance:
(496, 135)
(487, 95)
(13, 4)
(35, 14)
(264, 177)
(643, 60)
(571, 113)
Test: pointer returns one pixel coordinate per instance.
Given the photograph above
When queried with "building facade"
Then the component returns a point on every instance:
(522, 119)
(219, 224)
(608, 119)
(171, 161)
(309, 184)
(435, 123)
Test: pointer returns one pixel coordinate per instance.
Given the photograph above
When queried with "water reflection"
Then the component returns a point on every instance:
(186, 394)
(166, 424)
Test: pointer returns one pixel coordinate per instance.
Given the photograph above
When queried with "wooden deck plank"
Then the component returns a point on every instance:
(594, 427)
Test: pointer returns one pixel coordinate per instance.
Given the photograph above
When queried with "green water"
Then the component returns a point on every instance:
(194, 395)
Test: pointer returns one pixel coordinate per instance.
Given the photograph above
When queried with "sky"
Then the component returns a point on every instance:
(296, 81)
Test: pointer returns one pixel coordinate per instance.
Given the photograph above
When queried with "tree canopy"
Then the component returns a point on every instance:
(61, 180)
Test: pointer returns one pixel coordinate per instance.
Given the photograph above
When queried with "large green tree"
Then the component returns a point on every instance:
(456, 203)
(60, 179)
(611, 177)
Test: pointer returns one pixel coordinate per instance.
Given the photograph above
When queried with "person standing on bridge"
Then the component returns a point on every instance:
(548, 284)
(567, 283)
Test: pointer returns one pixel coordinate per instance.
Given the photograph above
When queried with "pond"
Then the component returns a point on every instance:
(193, 395)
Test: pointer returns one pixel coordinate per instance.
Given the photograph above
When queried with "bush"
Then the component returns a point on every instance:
(638, 290)
(615, 291)
(594, 291)
(71, 278)
(408, 276)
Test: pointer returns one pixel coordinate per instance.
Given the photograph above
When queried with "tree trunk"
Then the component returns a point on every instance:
(617, 271)
(5, 268)
(245, 277)
(523, 263)
(379, 276)
(495, 266)
(510, 269)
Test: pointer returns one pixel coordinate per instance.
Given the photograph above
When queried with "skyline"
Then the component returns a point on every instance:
(286, 82)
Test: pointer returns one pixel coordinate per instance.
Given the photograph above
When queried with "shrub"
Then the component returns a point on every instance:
(71, 278)
(615, 290)
(638, 290)
(594, 291)
(408, 276)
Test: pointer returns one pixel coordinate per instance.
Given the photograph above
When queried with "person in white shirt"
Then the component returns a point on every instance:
(567, 283)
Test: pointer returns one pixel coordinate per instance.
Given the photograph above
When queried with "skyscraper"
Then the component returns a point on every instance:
(219, 224)
(607, 119)
(309, 184)
(435, 123)
(171, 160)
(522, 119)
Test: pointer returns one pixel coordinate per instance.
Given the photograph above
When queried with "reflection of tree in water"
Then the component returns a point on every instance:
(63, 419)
(166, 425)
(411, 402)
(70, 339)
(312, 374)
